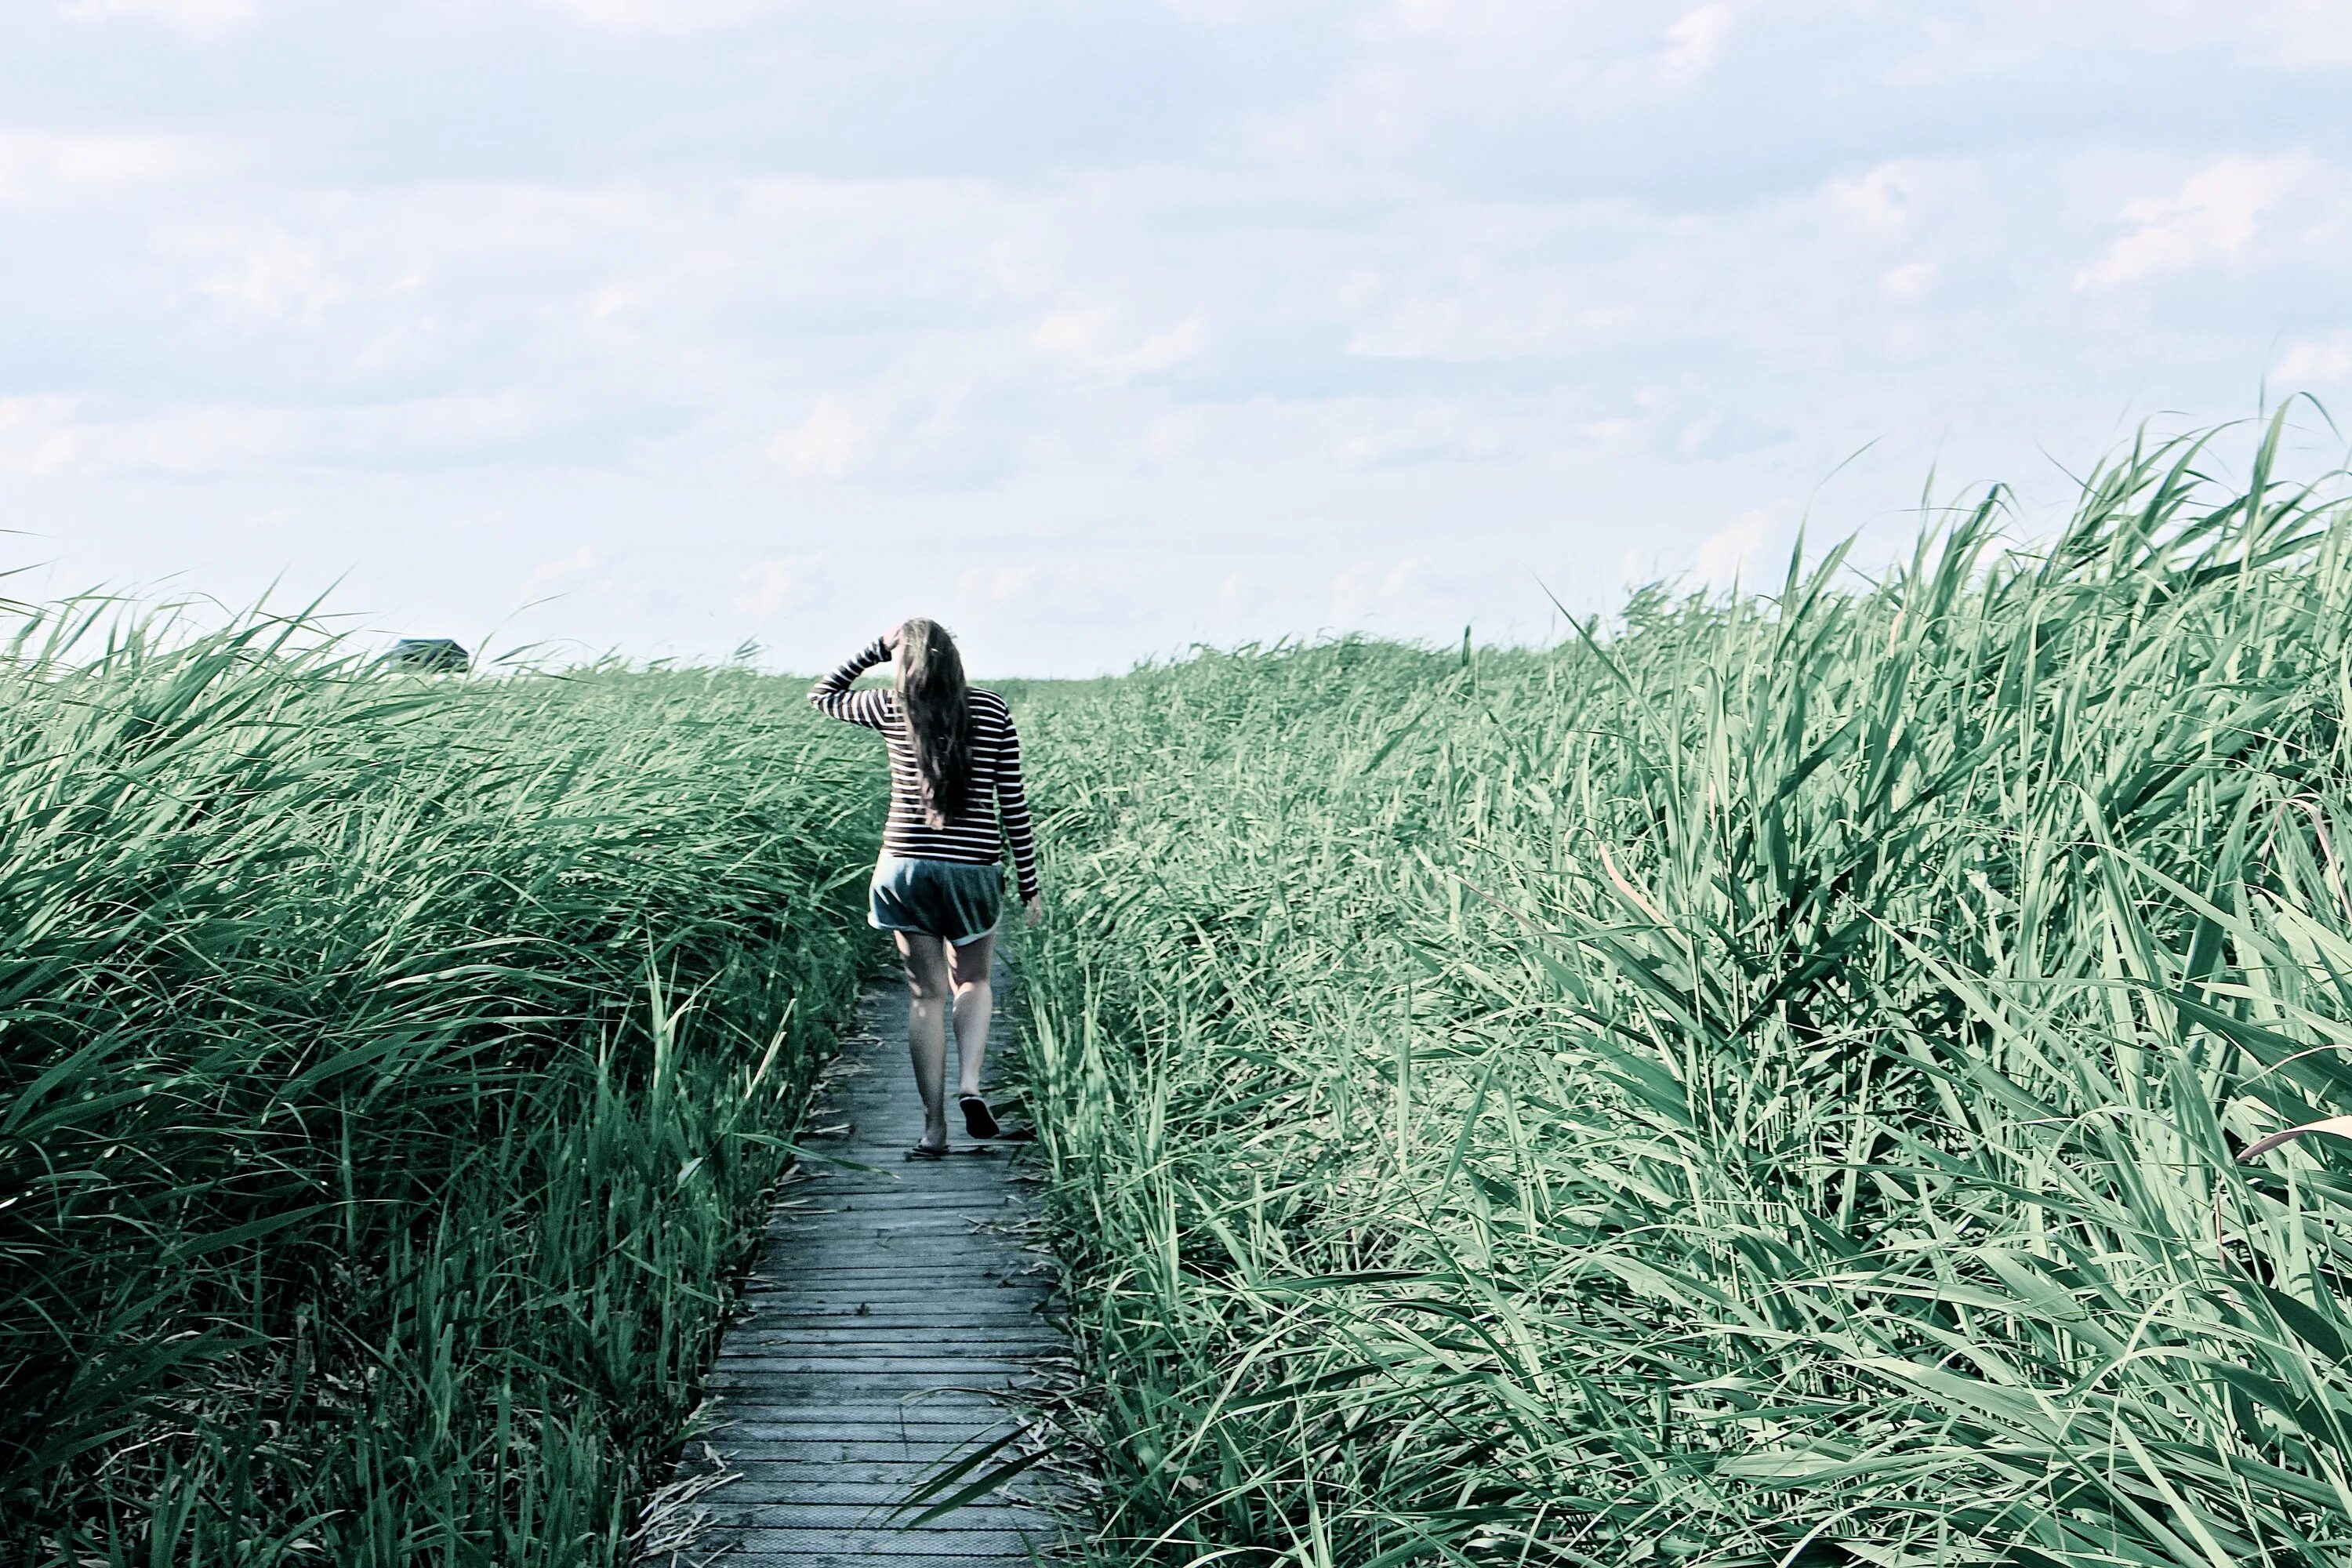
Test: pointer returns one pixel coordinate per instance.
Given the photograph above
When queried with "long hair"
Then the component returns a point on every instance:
(939, 717)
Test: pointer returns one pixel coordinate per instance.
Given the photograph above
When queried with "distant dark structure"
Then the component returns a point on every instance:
(430, 655)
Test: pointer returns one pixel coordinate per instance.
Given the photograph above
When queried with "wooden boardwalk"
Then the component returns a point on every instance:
(888, 1315)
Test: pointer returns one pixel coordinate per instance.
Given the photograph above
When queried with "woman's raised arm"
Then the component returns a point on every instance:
(832, 694)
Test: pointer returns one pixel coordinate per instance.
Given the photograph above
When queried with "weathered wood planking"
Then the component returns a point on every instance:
(886, 1317)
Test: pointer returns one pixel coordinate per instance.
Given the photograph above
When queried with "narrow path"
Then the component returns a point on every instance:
(888, 1313)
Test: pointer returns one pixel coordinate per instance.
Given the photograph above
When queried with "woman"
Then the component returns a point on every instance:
(955, 770)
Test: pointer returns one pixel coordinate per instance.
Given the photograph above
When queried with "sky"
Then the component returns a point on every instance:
(1099, 328)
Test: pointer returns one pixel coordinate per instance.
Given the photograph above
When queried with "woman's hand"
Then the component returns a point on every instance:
(1033, 909)
(891, 641)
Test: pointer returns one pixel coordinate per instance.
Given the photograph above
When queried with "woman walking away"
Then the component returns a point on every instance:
(955, 770)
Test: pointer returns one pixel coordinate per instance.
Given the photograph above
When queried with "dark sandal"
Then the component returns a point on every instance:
(924, 1152)
(978, 1120)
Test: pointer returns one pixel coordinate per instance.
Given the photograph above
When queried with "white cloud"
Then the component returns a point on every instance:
(1543, 306)
(999, 584)
(51, 433)
(1438, 433)
(921, 436)
(1695, 39)
(1083, 337)
(446, 424)
(1469, 18)
(2295, 33)
(1073, 332)
(1910, 281)
(36, 165)
(1236, 597)
(1139, 336)
(37, 435)
(833, 443)
(271, 276)
(2306, 33)
(1884, 201)
(362, 261)
(559, 575)
(2319, 362)
(1224, 12)
(1173, 437)
(1715, 435)
(993, 599)
(1370, 591)
(2212, 218)
(1726, 555)
(787, 583)
(1162, 351)
(201, 439)
(199, 17)
(660, 15)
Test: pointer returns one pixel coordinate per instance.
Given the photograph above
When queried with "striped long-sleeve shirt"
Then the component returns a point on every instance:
(972, 835)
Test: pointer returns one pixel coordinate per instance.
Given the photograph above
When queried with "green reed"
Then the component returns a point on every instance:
(390, 1070)
(1763, 1086)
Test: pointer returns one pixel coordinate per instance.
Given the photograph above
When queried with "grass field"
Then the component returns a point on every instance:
(1802, 1078)
(1777, 1083)
(390, 1073)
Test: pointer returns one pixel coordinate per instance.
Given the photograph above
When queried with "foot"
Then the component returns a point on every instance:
(978, 1120)
(928, 1151)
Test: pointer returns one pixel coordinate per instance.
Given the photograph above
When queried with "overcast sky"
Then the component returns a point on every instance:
(1095, 327)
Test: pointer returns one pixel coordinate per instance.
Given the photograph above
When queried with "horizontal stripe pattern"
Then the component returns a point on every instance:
(996, 809)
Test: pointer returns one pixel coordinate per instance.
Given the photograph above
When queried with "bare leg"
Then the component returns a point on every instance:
(927, 1028)
(975, 999)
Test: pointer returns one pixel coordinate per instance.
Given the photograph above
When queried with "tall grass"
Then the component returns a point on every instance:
(1775, 1084)
(390, 1070)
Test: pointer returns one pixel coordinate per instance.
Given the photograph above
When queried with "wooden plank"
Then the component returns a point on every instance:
(857, 1236)
(926, 1371)
(995, 1345)
(897, 1466)
(962, 1260)
(906, 1204)
(814, 1548)
(856, 1557)
(888, 1317)
(851, 1529)
(932, 1338)
(786, 1298)
(936, 1409)
(759, 1337)
(1022, 1337)
(916, 1309)
(878, 1438)
(878, 1442)
(962, 1411)
(811, 1497)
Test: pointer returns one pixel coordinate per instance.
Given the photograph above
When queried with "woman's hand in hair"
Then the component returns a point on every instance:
(890, 641)
(1033, 909)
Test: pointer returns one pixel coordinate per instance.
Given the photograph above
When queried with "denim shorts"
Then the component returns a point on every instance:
(939, 897)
